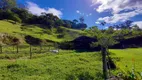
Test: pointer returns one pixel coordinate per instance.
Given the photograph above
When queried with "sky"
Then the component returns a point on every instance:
(93, 11)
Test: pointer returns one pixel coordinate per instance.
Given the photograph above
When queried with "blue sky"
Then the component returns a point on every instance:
(94, 11)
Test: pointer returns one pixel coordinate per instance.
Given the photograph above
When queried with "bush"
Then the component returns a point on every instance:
(32, 41)
(66, 45)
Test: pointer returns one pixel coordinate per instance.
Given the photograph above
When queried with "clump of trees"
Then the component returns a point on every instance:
(10, 10)
(6, 39)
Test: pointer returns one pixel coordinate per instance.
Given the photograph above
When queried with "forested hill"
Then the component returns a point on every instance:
(17, 22)
(11, 11)
(10, 30)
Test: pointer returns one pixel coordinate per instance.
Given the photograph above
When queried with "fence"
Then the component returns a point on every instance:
(26, 49)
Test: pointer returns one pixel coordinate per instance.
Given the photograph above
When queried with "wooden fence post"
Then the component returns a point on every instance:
(30, 52)
(40, 48)
(0, 49)
(17, 49)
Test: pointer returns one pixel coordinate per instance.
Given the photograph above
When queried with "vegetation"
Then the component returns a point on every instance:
(68, 65)
(127, 60)
(18, 27)
(19, 31)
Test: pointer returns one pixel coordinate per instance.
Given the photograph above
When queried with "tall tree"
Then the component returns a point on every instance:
(22, 13)
(7, 4)
(136, 27)
(126, 25)
(81, 19)
(103, 23)
(75, 21)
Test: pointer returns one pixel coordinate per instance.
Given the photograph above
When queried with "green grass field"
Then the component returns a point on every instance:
(68, 65)
(129, 59)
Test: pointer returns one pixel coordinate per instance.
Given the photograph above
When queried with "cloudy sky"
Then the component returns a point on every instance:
(94, 11)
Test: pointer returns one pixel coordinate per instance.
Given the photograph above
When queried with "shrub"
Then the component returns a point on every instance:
(66, 45)
(32, 41)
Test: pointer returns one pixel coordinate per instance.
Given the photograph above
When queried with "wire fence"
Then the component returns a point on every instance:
(26, 49)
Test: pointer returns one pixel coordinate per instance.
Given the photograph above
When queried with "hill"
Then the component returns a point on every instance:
(19, 31)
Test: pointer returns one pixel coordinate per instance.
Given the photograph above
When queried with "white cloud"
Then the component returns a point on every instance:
(83, 14)
(121, 9)
(35, 9)
(97, 22)
(139, 23)
(77, 11)
(120, 17)
(117, 5)
(54, 11)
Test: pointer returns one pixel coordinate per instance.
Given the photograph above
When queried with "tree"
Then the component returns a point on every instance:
(81, 26)
(81, 19)
(7, 4)
(75, 21)
(93, 31)
(126, 25)
(15, 18)
(117, 27)
(68, 24)
(23, 14)
(110, 30)
(103, 23)
(10, 15)
(104, 40)
(59, 23)
(136, 27)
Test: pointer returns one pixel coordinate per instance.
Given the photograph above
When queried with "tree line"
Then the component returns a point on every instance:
(10, 10)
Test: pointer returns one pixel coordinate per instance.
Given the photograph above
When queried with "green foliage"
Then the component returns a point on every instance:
(6, 39)
(23, 14)
(93, 31)
(10, 10)
(8, 14)
(7, 4)
(15, 18)
(106, 40)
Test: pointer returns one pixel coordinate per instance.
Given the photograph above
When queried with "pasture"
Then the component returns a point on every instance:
(128, 61)
(68, 65)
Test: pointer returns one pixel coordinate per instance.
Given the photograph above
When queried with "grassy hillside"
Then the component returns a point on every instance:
(128, 59)
(68, 65)
(19, 30)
